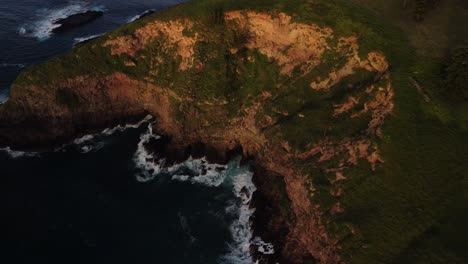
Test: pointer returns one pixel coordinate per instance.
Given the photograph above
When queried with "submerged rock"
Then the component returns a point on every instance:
(76, 20)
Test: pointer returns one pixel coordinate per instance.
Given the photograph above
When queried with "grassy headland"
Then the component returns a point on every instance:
(411, 209)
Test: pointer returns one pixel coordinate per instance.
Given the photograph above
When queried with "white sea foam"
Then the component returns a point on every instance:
(205, 173)
(12, 65)
(85, 144)
(196, 171)
(18, 154)
(149, 166)
(43, 25)
(83, 139)
(94, 142)
(119, 128)
(22, 31)
(134, 18)
(241, 229)
(4, 96)
(5, 93)
(200, 171)
(83, 39)
(263, 247)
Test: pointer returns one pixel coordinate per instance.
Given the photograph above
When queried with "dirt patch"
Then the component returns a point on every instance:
(348, 47)
(178, 37)
(290, 44)
(343, 108)
(349, 151)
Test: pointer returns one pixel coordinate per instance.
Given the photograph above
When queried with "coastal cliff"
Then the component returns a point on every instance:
(241, 78)
(306, 101)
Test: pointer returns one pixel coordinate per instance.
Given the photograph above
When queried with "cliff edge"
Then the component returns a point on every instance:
(293, 95)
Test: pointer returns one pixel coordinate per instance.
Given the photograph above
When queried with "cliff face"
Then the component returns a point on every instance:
(300, 99)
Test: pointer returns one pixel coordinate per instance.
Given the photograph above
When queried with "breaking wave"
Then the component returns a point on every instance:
(4, 96)
(145, 160)
(241, 229)
(5, 93)
(84, 144)
(15, 154)
(12, 65)
(150, 165)
(234, 176)
(95, 142)
(119, 128)
(200, 172)
(263, 247)
(87, 143)
(41, 28)
(134, 18)
(87, 38)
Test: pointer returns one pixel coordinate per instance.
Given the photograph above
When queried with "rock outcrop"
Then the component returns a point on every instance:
(76, 20)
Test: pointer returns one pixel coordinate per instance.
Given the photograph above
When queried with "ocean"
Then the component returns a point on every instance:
(107, 197)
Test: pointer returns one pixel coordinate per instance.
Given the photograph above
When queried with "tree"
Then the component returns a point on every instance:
(456, 74)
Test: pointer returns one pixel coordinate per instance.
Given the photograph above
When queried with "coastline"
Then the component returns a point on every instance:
(219, 123)
(268, 221)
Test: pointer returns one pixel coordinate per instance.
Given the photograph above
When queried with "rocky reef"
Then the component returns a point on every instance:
(76, 20)
(302, 100)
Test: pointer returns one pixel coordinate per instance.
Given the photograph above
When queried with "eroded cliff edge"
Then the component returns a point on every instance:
(305, 102)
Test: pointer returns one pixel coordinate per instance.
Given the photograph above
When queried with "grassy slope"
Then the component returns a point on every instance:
(411, 210)
(442, 28)
(414, 209)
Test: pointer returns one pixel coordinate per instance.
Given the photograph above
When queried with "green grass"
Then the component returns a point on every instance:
(414, 208)
(442, 29)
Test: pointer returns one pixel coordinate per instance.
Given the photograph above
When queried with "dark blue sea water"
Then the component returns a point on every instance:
(25, 29)
(107, 198)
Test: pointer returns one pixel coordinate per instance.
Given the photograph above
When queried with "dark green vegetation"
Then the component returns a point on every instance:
(442, 28)
(456, 74)
(422, 7)
(413, 208)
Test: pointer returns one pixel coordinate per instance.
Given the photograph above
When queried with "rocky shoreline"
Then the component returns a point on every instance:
(31, 134)
(76, 20)
(272, 214)
(269, 221)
